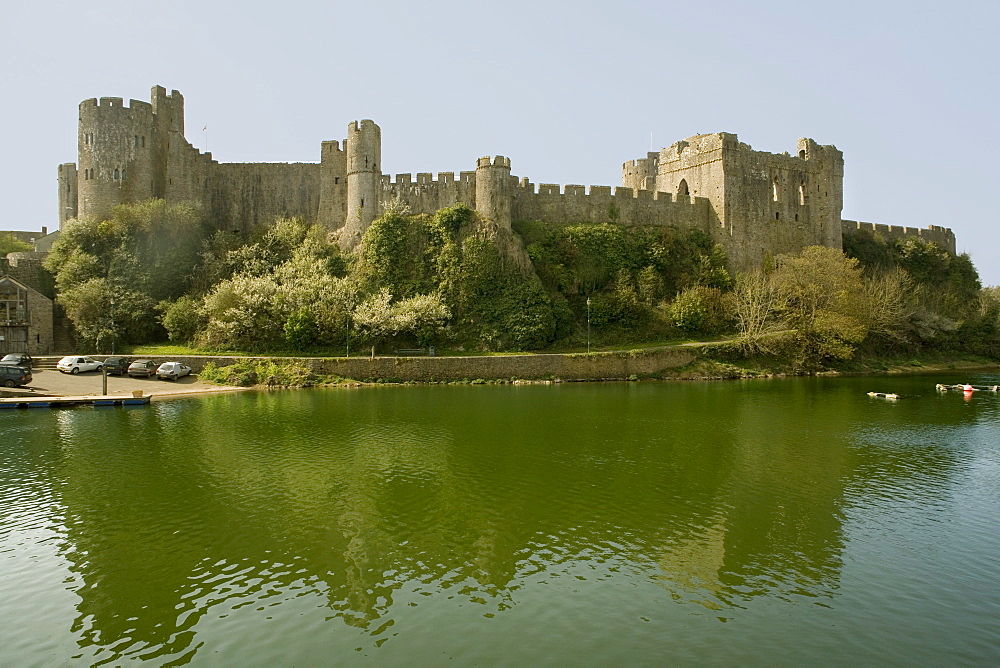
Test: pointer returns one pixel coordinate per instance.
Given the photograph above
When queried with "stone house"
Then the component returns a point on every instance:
(25, 319)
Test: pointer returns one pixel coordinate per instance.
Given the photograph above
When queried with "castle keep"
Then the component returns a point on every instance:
(751, 202)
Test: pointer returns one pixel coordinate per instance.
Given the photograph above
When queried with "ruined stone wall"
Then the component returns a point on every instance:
(762, 202)
(942, 236)
(624, 206)
(751, 202)
(68, 195)
(187, 173)
(640, 174)
(332, 185)
(778, 204)
(244, 195)
(424, 194)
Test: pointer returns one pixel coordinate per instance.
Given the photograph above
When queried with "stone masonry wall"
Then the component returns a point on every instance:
(594, 366)
(942, 236)
(243, 195)
(751, 202)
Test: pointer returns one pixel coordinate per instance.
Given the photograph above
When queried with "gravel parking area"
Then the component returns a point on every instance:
(53, 383)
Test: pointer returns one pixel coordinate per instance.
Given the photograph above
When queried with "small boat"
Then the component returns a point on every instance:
(892, 396)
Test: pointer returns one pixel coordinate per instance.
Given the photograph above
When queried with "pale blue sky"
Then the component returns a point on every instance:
(568, 90)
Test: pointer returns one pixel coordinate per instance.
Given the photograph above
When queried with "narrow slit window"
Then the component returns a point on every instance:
(802, 194)
(774, 190)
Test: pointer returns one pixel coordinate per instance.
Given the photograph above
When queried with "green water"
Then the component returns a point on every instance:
(762, 523)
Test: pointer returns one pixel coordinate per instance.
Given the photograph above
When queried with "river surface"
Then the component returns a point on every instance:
(774, 522)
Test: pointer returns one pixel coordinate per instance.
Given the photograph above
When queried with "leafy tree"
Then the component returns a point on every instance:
(242, 312)
(700, 309)
(822, 294)
(890, 305)
(11, 244)
(421, 316)
(757, 301)
(144, 253)
(104, 312)
(183, 318)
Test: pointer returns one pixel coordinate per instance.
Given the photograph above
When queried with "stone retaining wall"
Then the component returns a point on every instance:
(577, 366)
(574, 366)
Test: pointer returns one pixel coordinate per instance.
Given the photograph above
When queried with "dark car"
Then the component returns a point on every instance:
(12, 376)
(117, 365)
(17, 359)
(142, 369)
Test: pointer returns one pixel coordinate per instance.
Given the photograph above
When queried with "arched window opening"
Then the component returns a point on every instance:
(143, 141)
(123, 173)
(136, 141)
(802, 194)
(682, 188)
(116, 175)
(796, 218)
(774, 190)
(777, 215)
(802, 154)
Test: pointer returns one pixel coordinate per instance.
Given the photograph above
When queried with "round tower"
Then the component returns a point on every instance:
(115, 155)
(364, 179)
(494, 190)
(640, 174)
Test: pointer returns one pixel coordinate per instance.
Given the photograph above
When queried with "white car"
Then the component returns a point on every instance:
(172, 370)
(74, 364)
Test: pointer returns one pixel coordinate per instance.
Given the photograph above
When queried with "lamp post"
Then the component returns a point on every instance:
(112, 301)
(588, 324)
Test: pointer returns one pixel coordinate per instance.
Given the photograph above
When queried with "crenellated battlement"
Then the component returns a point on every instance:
(752, 202)
(499, 162)
(526, 187)
(427, 179)
(117, 104)
(942, 236)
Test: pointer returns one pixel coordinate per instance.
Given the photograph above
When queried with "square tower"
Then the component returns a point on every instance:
(763, 202)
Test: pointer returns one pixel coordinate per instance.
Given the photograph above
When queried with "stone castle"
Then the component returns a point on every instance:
(750, 202)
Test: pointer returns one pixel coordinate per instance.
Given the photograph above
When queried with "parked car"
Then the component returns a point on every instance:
(172, 370)
(11, 376)
(142, 369)
(17, 359)
(117, 365)
(74, 364)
